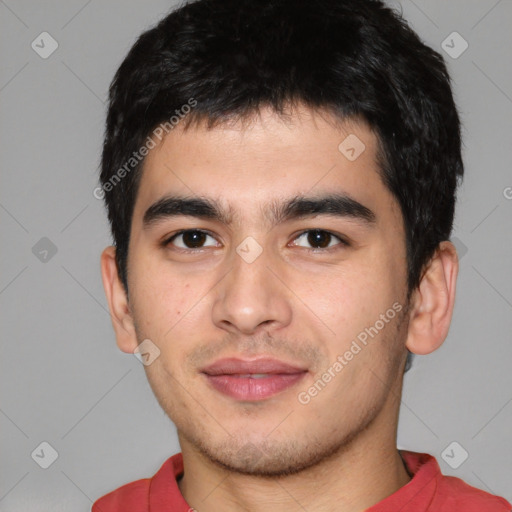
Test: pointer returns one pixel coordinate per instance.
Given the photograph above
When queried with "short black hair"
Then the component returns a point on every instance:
(222, 60)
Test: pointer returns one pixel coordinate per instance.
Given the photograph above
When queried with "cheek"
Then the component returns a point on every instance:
(160, 300)
(348, 298)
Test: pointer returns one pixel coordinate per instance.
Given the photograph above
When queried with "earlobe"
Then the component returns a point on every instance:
(433, 301)
(117, 302)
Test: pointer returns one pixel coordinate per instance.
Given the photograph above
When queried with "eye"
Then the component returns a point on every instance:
(190, 239)
(318, 239)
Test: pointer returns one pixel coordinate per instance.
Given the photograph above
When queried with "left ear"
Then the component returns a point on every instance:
(432, 302)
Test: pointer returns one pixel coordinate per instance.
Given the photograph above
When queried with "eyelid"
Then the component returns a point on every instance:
(343, 240)
(167, 240)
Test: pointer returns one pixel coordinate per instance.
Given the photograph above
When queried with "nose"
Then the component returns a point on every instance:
(251, 298)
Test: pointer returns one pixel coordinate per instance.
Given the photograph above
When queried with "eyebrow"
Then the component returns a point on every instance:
(275, 212)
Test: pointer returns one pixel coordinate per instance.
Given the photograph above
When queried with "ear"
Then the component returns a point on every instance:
(432, 302)
(120, 313)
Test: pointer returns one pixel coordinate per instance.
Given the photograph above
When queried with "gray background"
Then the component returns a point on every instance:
(63, 379)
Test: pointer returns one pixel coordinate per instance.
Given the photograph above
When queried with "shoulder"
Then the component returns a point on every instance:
(453, 491)
(448, 493)
(138, 495)
(129, 497)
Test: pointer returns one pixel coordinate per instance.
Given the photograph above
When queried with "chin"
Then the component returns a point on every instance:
(271, 458)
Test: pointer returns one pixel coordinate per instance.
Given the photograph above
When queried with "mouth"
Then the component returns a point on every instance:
(252, 380)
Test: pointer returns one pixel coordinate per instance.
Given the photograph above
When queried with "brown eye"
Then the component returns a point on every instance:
(318, 239)
(191, 239)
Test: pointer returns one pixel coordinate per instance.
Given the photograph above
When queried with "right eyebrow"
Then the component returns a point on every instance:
(173, 206)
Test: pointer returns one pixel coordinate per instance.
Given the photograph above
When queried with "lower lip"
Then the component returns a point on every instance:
(250, 389)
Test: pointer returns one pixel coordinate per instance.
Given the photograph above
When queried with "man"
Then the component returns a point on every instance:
(280, 180)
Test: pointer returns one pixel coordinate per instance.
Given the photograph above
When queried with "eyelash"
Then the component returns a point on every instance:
(343, 242)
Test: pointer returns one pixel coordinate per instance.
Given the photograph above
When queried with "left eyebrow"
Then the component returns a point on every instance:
(275, 212)
(339, 205)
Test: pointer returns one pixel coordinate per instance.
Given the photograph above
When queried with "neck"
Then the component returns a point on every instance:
(356, 477)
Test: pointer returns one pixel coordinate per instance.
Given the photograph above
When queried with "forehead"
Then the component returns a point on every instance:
(245, 165)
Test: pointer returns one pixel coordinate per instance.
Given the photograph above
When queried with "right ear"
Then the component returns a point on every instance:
(120, 313)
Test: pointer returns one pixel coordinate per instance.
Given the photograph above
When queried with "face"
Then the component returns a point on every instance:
(281, 329)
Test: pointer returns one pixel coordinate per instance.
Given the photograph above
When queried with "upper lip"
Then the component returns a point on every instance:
(266, 365)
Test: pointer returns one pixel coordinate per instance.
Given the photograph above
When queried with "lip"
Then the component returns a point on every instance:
(252, 380)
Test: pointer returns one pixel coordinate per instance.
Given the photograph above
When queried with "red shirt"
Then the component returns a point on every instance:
(428, 491)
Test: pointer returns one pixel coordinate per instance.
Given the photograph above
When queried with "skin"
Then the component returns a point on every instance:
(337, 452)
